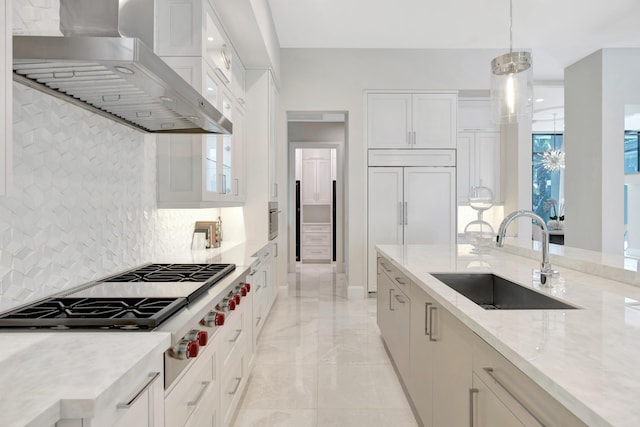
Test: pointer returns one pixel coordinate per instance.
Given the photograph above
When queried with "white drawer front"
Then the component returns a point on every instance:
(233, 382)
(316, 239)
(232, 336)
(316, 228)
(319, 252)
(196, 383)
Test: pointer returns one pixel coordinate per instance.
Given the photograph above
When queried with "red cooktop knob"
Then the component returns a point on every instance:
(243, 291)
(247, 286)
(203, 338)
(219, 319)
(192, 349)
(236, 298)
(232, 304)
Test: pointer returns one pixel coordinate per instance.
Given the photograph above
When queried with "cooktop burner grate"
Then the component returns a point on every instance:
(174, 273)
(92, 313)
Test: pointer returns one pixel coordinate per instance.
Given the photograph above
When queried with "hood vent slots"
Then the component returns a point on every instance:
(117, 77)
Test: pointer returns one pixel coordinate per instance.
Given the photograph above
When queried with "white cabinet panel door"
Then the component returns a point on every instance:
(465, 165)
(434, 120)
(429, 195)
(309, 193)
(389, 120)
(384, 213)
(323, 181)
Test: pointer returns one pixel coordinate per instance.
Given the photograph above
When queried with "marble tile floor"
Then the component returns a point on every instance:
(320, 361)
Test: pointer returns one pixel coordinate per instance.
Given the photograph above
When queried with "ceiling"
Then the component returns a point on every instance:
(558, 32)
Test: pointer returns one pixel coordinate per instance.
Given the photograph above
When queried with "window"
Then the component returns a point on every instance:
(547, 191)
(631, 157)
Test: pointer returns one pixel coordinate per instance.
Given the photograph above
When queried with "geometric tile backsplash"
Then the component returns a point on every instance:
(83, 201)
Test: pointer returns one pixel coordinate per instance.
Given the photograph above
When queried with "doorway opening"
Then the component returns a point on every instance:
(316, 146)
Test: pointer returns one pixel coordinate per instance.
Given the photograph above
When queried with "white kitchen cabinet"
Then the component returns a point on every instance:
(412, 120)
(196, 395)
(316, 180)
(501, 394)
(6, 105)
(273, 155)
(478, 164)
(316, 242)
(191, 28)
(264, 289)
(409, 205)
(394, 315)
(474, 114)
(238, 80)
(262, 97)
(196, 171)
(441, 363)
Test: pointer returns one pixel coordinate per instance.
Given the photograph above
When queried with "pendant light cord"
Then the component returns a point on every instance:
(510, 27)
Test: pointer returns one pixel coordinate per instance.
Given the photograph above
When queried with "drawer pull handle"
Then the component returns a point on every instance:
(400, 281)
(432, 335)
(426, 318)
(235, 389)
(391, 300)
(399, 299)
(493, 376)
(238, 333)
(387, 269)
(258, 321)
(152, 377)
(473, 392)
(204, 387)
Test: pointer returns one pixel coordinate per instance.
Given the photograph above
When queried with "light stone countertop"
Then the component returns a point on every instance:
(587, 358)
(46, 376)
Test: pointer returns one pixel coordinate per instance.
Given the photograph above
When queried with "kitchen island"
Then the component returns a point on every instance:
(584, 358)
(48, 376)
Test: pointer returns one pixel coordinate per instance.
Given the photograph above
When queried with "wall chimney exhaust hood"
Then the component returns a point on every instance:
(105, 63)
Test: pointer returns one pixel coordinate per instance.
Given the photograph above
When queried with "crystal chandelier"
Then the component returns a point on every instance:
(553, 160)
(511, 83)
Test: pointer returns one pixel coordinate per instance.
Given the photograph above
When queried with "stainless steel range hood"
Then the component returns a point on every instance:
(118, 77)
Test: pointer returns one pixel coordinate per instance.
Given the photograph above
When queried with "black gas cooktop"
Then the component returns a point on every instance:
(119, 310)
(94, 313)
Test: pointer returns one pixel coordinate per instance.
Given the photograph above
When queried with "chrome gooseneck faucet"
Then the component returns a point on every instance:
(545, 270)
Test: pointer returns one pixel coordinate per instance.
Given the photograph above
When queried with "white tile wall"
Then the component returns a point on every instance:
(83, 201)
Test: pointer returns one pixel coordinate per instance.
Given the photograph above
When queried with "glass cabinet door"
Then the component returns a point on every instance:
(227, 151)
(211, 160)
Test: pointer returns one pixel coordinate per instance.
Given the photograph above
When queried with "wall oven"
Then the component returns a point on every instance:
(273, 220)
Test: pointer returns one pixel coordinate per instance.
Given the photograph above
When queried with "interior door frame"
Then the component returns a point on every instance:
(291, 199)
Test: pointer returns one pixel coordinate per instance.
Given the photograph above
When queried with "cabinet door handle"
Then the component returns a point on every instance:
(384, 266)
(258, 321)
(238, 332)
(235, 389)
(406, 213)
(205, 386)
(152, 377)
(399, 299)
(473, 392)
(426, 318)
(431, 333)
(391, 300)
(400, 214)
(409, 137)
(414, 137)
(493, 376)
(237, 182)
(400, 281)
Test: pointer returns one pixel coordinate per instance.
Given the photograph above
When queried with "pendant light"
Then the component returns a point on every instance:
(553, 160)
(511, 83)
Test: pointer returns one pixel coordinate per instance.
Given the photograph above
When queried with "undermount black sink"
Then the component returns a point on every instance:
(492, 292)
